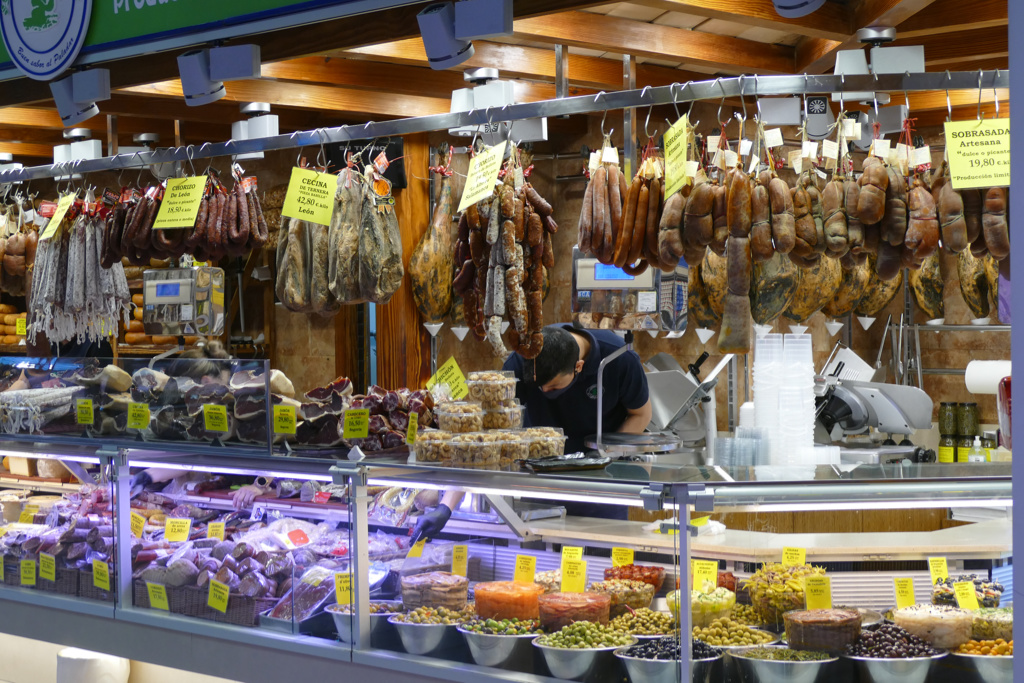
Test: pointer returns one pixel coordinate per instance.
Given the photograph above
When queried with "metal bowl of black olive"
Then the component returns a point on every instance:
(892, 655)
(657, 661)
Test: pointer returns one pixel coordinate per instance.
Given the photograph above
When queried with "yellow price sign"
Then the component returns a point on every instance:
(157, 596)
(47, 567)
(413, 431)
(28, 572)
(526, 569)
(571, 553)
(63, 205)
(138, 416)
(979, 153)
(310, 196)
(215, 418)
(482, 175)
(28, 515)
(21, 327)
(177, 528)
(460, 560)
(417, 548)
(818, 592)
(284, 419)
(101, 575)
(450, 374)
(83, 410)
(218, 596)
(675, 157)
(938, 568)
(215, 530)
(700, 521)
(3, 577)
(180, 205)
(794, 557)
(622, 557)
(138, 524)
(904, 592)
(357, 423)
(343, 588)
(705, 570)
(574, 576)
(966, 596)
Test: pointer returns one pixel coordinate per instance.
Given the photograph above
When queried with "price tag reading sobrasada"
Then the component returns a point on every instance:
(622, 557)
(794, 557)
(218, 596)
(675, 157)
(138, 416)
(157, 596)
(83, 411)
(215, 418)
(526, 569)
(818, 592)
(180, 205)
(357, 423)
(177, 528)
(284, 419)
(979, 153)
(904, 592)
(482, 175)
(574, 576)
(450, 374)
(101, 575)
(310, 196)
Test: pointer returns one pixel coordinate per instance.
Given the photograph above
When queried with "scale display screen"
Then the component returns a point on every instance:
(166, 289)
(606, 273)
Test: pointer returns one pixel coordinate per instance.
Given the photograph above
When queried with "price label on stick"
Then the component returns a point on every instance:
(704, 570)
(979, 153)
(47, 567)
(357, 423)
(460, 560)
(284, 419)
(526, 568)
(138, 416)
(450, 374)
(180, 205)
(818, 592)
(417, 548)
(938, 568)
(157, 596)
(177, 528)
(215, 418)
(218, 596)
(215, 530)
(28, 572)
(21, 327)
(413, 431)
(101, 575)
(343, 588)
(675, 157)
(966, 596)
(481, 176)
(904, 592)
(622, 557)
(794, 557)
(63, 206)
(574, 576)
(83, 410)
(310, 196)
(138, 524)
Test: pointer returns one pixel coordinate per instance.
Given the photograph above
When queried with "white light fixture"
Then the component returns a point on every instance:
(488, 92)
(792, 9)
(483, 19)
(259, 124)
(884, 60)
(780, 111)
(437, 27)
(76, 95)
(235, 63)
(78, 147)
(197, 85)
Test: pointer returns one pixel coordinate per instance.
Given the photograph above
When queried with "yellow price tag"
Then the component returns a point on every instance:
(571, 553)
(180, 205)
(904, 592)
(574, 576)
(138, 524)
(700, 521)
(357, 423)
(101, 575)
(177, 528)
(526, 569)
(417, 548)
(157, 596)
(450, 374)
(218, 596)
(284, 419)
(343, 588)
(83, 409)
(47, 567)
(622, 557)
(2, 575)
(460, 560)
(21, 327)
(675, 157)
(704, 570)
(215, 530)
(979, 153)
(217, 297)
(938, 568)
(63, 204)
(310, 196)
(482, 175)
(413, 431)
(27, 516)
(818, 592)
(138, 416)
(215, 418)
(28, 572)
(966, 596)
(794, 557)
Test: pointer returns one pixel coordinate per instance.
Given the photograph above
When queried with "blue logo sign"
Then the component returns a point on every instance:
(44, 37)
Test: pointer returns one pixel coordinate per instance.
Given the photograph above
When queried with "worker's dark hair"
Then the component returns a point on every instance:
(559, 356)
(201, 361)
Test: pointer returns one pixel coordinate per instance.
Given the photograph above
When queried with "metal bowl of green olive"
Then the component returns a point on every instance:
(427, 630)
(577, 650)
(782, 665)
(499, 642)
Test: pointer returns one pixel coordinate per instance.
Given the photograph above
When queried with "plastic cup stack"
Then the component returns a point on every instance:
(784, 398)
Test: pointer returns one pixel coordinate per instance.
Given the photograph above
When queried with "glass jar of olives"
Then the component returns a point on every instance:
(948, 418)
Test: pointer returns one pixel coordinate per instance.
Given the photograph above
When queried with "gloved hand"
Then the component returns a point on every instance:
(140, 480)
(431, 523)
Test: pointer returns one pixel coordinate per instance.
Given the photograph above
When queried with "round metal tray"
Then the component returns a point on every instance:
(615, 442)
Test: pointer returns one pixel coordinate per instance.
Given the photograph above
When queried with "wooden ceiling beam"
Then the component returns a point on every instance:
(937, 117)
(597, 31)
(961, 46)
(936, 100)
(831, 21)
(947, 16)
(27, 149)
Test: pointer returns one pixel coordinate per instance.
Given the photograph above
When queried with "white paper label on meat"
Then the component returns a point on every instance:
(810, 149)
(730, 158)
(753, 164)
(595, 161)
(691, 168)
(719, 159)
(745, 147)
(798, 164)
(880, 148)
(921, 156)
(821, 174)
(713, 141)
(773, 137)
(610, 155)
(647, 302)
(851, 129)
(829, 149)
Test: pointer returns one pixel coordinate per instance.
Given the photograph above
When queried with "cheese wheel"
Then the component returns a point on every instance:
(11, 340)
(136, 338)
(7, 308)
(137, 314)
(21, 315)
(135, 326)
(10, 319)
(137, 299)
(164, 340)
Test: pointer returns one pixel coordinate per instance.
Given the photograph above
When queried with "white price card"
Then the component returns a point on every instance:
(830, 149)
(880, 148)
(773, 137)
(810, 149)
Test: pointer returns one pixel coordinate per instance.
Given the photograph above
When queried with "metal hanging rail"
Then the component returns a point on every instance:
(677, 93)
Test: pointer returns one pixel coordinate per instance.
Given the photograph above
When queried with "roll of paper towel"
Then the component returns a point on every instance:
(83, 666)
(983, 376)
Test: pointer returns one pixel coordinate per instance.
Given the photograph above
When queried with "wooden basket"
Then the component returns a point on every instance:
(12, 572)
(190, 601)
(87, 589)
(66, 583)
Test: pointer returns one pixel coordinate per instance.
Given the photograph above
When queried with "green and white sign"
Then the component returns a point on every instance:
(42, 38)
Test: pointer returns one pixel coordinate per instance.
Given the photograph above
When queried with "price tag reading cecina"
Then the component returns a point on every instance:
(310, 196)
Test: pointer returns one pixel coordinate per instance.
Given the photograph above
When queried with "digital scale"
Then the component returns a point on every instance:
(608, 298)
(183, 301)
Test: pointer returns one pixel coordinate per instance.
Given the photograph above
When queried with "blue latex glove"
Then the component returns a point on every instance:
(140, 480)
(431, 523)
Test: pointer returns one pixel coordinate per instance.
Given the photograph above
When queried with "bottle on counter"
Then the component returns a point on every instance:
(977, 453)
(948, 418)
(989, 441)
(963, 447)
(947, 448)
(967, 420)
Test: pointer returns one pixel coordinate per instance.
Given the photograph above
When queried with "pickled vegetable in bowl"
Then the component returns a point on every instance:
(776, 589)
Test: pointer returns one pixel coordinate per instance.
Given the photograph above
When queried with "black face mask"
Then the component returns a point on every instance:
(555, 393)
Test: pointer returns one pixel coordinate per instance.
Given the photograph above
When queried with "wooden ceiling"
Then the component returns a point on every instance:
(373, 67)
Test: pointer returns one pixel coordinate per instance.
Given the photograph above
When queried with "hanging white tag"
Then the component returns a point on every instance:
(821, 174)
(810, 149)
(730, 158)
(773, 137)
(719, 159)
(753, 165)
(880, 148)
(691, 168)
(830, 149)
(921, 156)
(713, 141)
(745, 146)
(610, 155)
(595, 161)
(849, 128)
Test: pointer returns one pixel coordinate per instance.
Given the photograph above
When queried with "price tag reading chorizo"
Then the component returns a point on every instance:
(284, 419)
(21, 327)
(47, 567)
(904, 592)
(58, 216)
(675, 157)
(101, 575)
(218, 596)
(28, 572)
(343, 588)
(481, 176)
(215, 418)
(357, 423)
(704, 570)
(818, 592)
(417, 548)
(138, 523)
(157, 596)
(794, 557)
(966, 596)
(177, 528)
(938, 568)
(460, 560)
(138, 416)
(310, 196)
(413, 431)
(180, 205)
(215, 530)
(450, 374)
(526, 569)
(979, 153)
(574, 576)
(83, 409)
(622, 557)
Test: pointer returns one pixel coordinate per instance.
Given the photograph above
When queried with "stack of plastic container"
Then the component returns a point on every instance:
(784, 397)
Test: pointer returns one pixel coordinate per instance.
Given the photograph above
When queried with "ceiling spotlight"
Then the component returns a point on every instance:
(259, 124)
(76, 95)
(884, 60)
(235, 63)
(437, 26)
(791, 9)
(197, 85)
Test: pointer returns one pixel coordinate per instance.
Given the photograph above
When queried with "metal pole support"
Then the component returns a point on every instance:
(354, 475)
